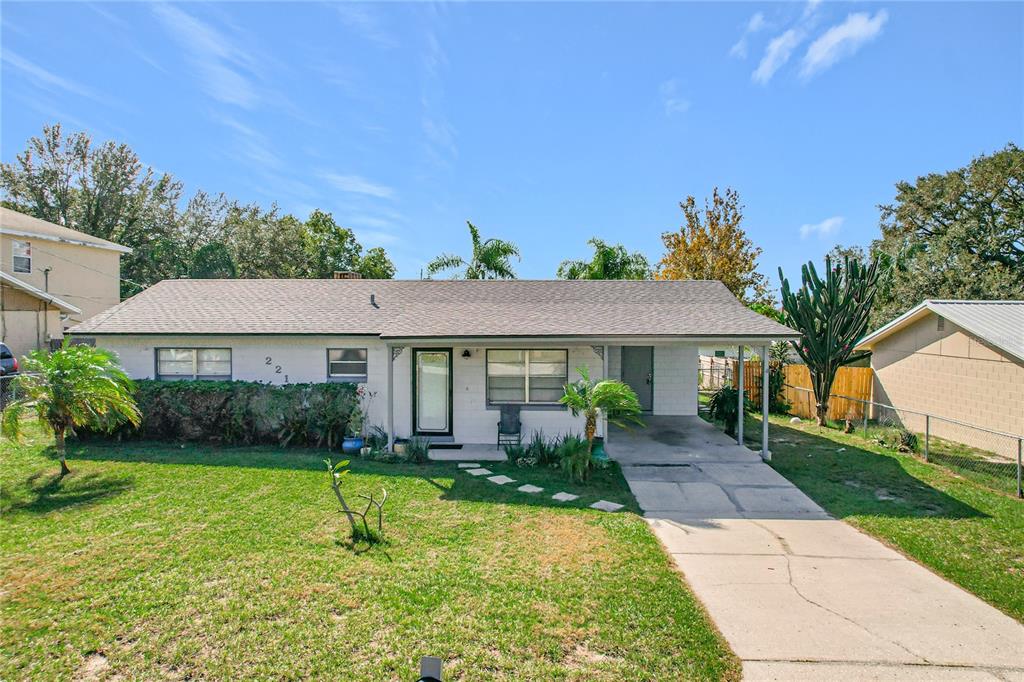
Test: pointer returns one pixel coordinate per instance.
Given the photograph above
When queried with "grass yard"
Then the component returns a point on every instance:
(958, 527)
(157, 561)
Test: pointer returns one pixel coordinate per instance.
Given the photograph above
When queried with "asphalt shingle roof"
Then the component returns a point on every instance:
(435, 308)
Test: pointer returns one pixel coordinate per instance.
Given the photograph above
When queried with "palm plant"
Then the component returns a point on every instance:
(74, 386)
(490, 259)
(614, 399)
(609, 262)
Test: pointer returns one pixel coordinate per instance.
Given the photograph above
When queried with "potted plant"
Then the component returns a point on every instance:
(353, 441)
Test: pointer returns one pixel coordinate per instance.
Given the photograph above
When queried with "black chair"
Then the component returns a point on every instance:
(509, 428)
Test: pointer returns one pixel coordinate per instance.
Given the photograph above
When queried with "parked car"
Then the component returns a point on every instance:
(8, 370)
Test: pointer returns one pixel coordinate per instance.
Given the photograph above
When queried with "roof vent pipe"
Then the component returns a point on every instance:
(373, 300)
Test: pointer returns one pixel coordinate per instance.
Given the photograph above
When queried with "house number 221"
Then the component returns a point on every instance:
(277, 368)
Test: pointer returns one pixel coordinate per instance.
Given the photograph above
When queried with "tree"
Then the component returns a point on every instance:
(831, 316)
(376, 265)
(265, 244)
(74, 386)
(608, 262)
(329, 247)
(616, 400)
(490, 259)
(712, 245)
(104, 191)
(958, 234)
(212, 261)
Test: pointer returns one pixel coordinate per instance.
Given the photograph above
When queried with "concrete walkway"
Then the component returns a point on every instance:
(797, 594)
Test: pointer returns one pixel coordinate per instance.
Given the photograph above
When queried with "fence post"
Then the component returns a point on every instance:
(1020, 491)
(864, 407)
(927, 433)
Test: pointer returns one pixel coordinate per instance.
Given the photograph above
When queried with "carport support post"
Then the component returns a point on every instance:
(390, 356)
(604, 375)
(739, 399)
(766, 455)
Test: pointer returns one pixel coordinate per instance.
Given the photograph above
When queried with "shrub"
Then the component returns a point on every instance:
(722, 407)
(417, 450)
(243, 412)
(899, 438)
(574, 456)
(544, 451)
(515, 452)
(377, 439)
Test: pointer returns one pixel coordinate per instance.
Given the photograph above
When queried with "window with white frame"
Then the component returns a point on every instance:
(526, 376)
(21, 256)
(347, 364)
(193, 363)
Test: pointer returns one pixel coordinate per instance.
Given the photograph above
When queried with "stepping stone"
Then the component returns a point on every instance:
(479, 472)
(565, 497)
(605, 505)
(530, 489)
(501, 480)
(469, 465)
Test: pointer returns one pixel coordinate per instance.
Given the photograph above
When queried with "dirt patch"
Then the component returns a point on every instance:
(94, 667)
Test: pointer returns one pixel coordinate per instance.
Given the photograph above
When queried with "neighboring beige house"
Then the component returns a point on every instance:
(962, 360)
(53, 277)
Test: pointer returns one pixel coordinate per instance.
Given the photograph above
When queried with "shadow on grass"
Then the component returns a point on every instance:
(41, 493)
(606, 484)
(851, 481)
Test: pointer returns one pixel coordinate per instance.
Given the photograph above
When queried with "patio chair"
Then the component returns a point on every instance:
(509, 427)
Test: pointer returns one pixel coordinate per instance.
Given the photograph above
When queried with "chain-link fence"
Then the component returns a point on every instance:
(714, 373)
(990, 457)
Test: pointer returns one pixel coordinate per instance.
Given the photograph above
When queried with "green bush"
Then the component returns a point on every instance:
(724, 407)
(574, 456)
(243, 412)
(417, 450)
(544, 451)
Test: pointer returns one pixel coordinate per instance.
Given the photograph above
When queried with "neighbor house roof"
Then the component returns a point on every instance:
(32, 291)
(998, 323)
(436, 308)
(14, 223)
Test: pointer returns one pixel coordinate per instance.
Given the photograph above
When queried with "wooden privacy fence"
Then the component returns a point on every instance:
(854, 382)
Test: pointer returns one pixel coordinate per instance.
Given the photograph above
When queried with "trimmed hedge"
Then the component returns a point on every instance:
(242, 413)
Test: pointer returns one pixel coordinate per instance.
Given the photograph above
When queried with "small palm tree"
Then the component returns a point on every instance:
(616, 400)
(490, 259)
(74, 386)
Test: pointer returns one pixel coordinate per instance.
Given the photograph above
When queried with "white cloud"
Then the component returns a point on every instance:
(673, 102)
(355, 184)
(47, 80)
(217, 59)
(776, 55)
(754, 24)
(826, 228)
(842, 40)
(366, 23)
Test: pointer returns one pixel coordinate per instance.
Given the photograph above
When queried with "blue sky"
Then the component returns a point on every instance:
(542, 123)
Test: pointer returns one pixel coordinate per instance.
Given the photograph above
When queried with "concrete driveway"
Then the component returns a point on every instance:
(797, 594)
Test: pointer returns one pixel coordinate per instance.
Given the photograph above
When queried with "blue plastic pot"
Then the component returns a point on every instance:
(351, 445)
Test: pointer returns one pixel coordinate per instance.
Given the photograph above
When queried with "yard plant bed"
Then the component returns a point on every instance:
(962, 530)
(156, 561)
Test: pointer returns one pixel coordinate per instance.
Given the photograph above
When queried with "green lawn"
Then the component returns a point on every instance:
(163, 561)
(958, 527)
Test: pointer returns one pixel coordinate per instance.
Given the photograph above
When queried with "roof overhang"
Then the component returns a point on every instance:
(918, 312)
(108, 246)
(27, 288)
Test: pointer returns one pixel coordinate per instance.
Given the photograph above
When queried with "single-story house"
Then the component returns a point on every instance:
(439, 358)
(962, 360)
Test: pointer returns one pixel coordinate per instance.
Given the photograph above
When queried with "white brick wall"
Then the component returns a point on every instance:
(675, 379)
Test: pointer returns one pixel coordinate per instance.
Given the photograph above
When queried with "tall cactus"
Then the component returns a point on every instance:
(831, 315)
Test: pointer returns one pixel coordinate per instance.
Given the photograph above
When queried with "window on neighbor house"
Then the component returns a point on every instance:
(526, 376)
(347, 364)
(21, 256)
(193, 363)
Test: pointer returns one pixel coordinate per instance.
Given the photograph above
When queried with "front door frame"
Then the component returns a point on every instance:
(650, 383)
(415, 398)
